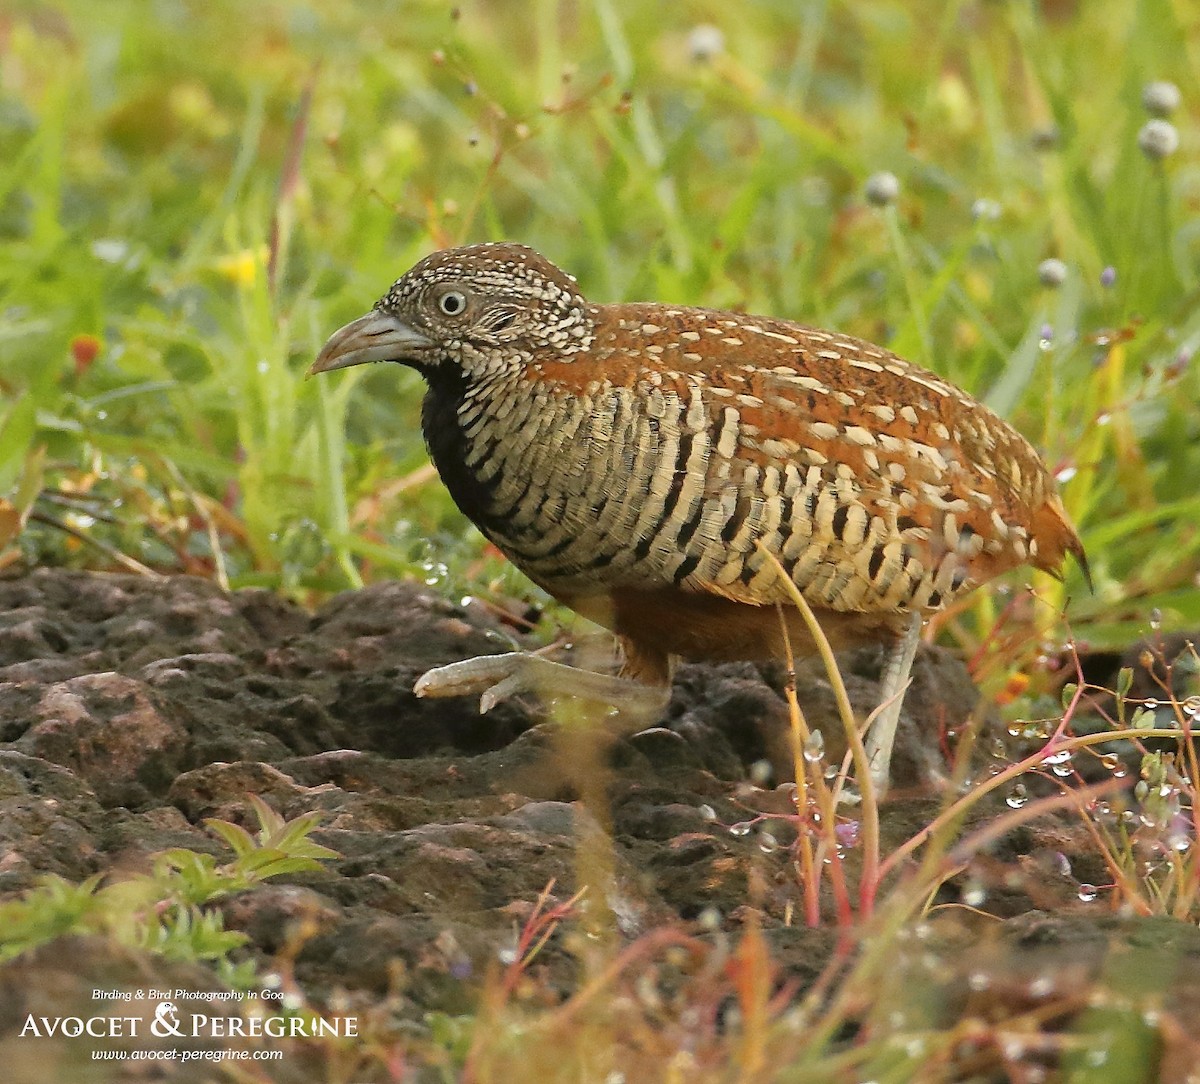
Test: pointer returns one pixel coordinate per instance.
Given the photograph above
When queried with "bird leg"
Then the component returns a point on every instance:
(497, 677)
(893, 683)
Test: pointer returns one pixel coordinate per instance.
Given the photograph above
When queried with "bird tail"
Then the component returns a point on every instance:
(1056, 537)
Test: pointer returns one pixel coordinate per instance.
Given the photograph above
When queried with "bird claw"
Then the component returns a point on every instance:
(496, 678)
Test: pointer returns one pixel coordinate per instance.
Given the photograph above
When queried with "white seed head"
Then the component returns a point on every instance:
(1158, 139)
(705, 42)
(882, 188)
(1161, 98)
(1052, 272)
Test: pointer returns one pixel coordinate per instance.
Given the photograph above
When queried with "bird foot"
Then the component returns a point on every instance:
(495, 678)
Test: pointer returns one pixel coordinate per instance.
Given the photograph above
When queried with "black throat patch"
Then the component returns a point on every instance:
(448, 445)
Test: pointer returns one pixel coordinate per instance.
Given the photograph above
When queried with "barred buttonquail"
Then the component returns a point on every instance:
(638, 462)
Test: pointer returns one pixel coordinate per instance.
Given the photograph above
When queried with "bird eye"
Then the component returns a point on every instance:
(452, 302)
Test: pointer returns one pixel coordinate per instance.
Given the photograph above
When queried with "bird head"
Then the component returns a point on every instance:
(484, 308)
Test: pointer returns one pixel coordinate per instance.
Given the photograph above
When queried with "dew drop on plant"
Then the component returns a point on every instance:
(1103, 418)
(709, 918)
(1065, 475)
(767, 843)
(1017, 797)
(1110, 761)
(1156, 619)
(760, 771)
(974, 895)
(814, 747)
(1013, 1049)
(1087, 893)
(742, 828)
(847, 833)
(1063, 756)
(708, 813)
(1042, 986)
(507, 956)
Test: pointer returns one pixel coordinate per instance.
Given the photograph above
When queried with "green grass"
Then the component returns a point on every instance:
(206, 190)
(157, 159)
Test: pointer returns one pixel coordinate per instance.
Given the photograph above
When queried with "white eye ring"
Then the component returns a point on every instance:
(453, 302)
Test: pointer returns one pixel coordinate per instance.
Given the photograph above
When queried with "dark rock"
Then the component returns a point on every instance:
(132, 709)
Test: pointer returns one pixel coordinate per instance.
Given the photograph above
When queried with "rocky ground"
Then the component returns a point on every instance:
(132, 709)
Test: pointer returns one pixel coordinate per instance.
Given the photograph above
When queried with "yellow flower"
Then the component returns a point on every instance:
(242, 267)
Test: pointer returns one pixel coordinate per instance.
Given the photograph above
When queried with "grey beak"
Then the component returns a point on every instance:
(378, 336)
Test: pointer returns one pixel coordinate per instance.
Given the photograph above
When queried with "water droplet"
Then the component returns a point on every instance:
(507, 956)
(1042, 986)
(1017, 797)
(1065, 475)
(767, 842)
(1156, 618)
(1087, 893)
(847, 833)
(760, 771)
(709, 918)
(742, 828)
(1103, 418)
(708, 813)
(1014, 1049)
(814, 747)
(974, 895)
